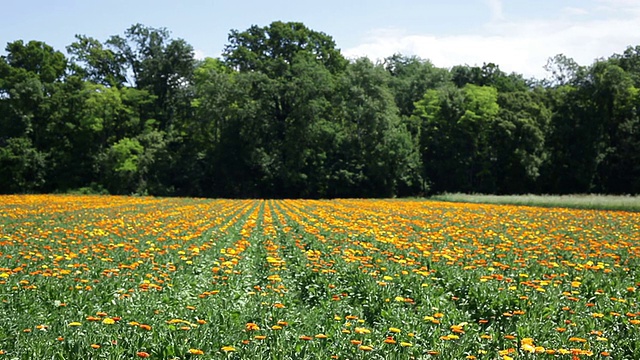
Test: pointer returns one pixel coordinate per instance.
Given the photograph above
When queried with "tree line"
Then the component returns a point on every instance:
(282, 113)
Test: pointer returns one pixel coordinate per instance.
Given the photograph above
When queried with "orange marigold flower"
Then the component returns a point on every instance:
(95, 346)
(305, 337)
(252, 326)
(143, 354)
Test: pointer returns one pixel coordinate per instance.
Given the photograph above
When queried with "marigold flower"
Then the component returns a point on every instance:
(95, 346)
(577, 339)
(365, 348)
(143, 354)
(389, 340)
(305, 337)
(75, 323)
(394, 330)
(196, 352)
(228, 348)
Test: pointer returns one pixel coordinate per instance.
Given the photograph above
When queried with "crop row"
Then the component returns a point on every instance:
(124, 277)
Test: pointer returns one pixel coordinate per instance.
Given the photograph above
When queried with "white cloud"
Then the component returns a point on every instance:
(521, 46)
(199, 54)
(496, 9)
(575, 11)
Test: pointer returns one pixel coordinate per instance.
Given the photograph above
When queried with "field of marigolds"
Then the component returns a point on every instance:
(99, 277)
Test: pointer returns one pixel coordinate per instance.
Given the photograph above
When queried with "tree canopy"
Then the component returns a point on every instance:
(282, 113)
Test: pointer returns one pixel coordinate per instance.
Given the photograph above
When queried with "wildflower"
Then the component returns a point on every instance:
(252, 326)
(577, 339)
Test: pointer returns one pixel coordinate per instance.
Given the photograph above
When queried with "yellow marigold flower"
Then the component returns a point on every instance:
(276, 327)
(394, 330)
(361, 330)
(405, 344)
(196, 352)
(228, 348)
(365, 348)
(75, 323)
(108, 321)
(321, 336)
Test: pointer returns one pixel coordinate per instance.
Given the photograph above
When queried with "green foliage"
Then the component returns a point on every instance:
(283, 114)
(23, 167)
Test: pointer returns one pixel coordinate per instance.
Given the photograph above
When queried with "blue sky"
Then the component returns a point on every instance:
(518, 35)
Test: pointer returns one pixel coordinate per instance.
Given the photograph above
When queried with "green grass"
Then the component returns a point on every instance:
(591, 202)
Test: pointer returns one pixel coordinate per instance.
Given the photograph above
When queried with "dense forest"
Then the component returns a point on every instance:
(282, 113)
